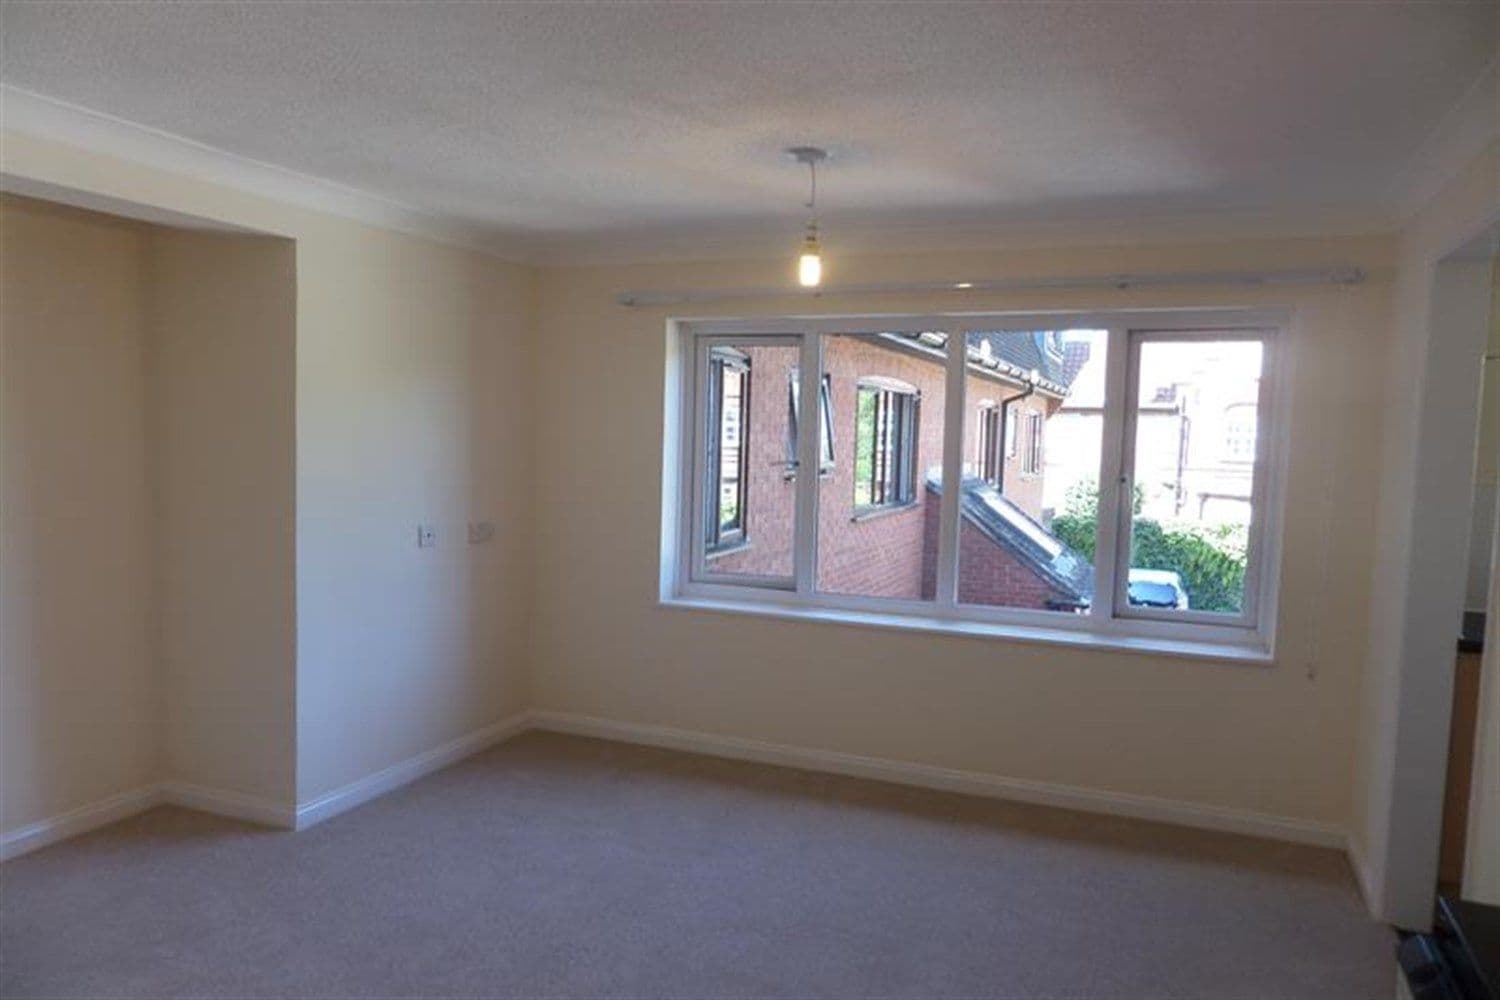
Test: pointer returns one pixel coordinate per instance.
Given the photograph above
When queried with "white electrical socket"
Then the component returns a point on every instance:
(426, 536)
(481, 532)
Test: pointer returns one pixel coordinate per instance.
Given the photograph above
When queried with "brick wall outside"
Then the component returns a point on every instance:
(987, 573)
(889, 554)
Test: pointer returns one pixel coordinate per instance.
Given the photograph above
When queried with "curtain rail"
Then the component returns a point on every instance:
(1340, 275)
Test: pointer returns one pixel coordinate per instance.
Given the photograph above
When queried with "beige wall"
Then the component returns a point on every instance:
(1275, 740)
(222, 340)
(148, 511)
(1481, 879)
(425, 392)
(79, 692)
(413, 404)
(1487, 463)
(1391, 839)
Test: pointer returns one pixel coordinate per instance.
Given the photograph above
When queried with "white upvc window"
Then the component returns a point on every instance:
(1033, 465)
(988, 454)
(885, 443)
(1133, 534)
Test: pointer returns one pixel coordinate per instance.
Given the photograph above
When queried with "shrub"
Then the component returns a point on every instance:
(1210, 559)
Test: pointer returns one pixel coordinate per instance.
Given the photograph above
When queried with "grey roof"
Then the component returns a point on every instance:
(1064, 569)
(1076, 354)
(1009, 354)
(1028, 350)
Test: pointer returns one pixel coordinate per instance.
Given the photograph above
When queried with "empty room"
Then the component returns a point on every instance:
(750, 499)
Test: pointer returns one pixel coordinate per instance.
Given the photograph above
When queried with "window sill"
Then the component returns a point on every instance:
(727, 550)
(1223, 653)
(875, 513)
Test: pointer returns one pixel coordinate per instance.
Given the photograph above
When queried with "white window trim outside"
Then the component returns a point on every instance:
(687, 581)
(988, 437)
(739, 537)
(906, 474)
(1031, 463)
(827, 447)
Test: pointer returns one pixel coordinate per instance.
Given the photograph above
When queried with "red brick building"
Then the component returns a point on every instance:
(881, 425)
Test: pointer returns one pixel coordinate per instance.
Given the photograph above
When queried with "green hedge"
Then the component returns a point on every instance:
(1209, 559)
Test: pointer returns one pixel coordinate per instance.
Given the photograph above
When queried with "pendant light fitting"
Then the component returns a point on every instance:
(810, 260)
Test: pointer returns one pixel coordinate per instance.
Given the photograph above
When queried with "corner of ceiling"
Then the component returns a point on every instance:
(1468, 127)
(25, 112)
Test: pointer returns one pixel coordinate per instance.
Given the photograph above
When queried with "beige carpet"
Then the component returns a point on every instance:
(562, 867)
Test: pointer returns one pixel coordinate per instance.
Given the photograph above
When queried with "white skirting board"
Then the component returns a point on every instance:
(109, 810)
(951, 779)
(373, 786)
(899, 772)
(37, 835)
(251, 808)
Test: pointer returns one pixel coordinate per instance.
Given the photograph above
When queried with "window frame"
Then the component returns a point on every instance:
(990, 455)
(1137, 338)
(900, 442)
(1031, 463)
(700, 555)
(827, 451)
(686, 582)
(738, 537)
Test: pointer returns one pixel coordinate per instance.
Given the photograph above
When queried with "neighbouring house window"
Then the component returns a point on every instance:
(1033, 464)
(885, 437)
(1239, 433)
(989, 457)
(825, 409)
(729, 423)
(1128, 528)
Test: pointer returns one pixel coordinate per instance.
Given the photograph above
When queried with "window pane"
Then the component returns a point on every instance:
(878, 510)
(826, 422)
(732, 387)
(885, 427)
(1194, 464)
(749, 484)
(1033, 423)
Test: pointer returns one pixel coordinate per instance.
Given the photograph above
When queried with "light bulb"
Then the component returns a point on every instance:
(810, 267)
(810, 262)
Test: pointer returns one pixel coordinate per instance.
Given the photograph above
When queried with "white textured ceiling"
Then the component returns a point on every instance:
(574, 121)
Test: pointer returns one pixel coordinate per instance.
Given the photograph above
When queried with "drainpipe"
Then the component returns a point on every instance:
(1032, 379)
